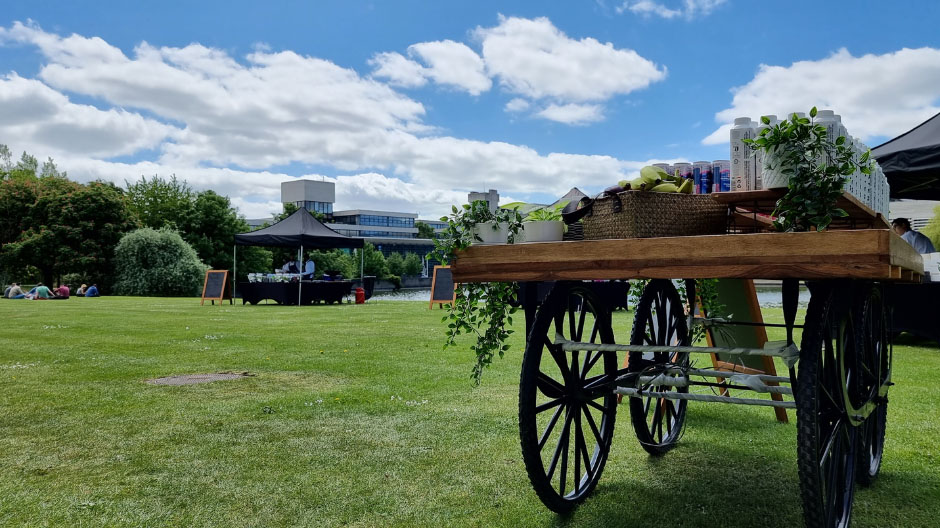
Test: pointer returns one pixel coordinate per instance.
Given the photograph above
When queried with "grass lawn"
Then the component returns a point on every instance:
(356, 417)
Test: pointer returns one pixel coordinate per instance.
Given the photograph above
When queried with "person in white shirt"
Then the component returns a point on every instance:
(309, 268)
(922, 244)
(290, 267)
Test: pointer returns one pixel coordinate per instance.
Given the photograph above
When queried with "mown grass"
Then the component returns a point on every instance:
(356, 417)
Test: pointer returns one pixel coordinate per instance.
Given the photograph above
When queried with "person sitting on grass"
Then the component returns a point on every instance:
(16, 292)
(81, 290)
(62, 292)
(92, 291)
(40, 292)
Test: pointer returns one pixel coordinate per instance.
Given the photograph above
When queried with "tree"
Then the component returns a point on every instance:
(374, 262)
(161, 203)
(157, 262)
(395, 263)
(932, 230)
(424, 230)
(335, 260)
(413, 265)
(206, 221)
(60, 226)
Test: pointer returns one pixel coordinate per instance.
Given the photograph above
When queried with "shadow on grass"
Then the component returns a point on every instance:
(698, 485)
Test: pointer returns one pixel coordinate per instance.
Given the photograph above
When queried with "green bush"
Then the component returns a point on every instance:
(161, 263)
(395, 280)
(396, 264)
(336, 259)
(412, 265)
(932, 230)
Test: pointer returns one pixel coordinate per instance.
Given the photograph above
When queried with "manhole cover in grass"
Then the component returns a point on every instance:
(193, 379)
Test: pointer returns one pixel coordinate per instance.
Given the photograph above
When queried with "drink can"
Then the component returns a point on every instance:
(685, 170)
(702, 172)
(721, 170)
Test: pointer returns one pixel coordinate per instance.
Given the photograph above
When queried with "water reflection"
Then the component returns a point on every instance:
(767, 297)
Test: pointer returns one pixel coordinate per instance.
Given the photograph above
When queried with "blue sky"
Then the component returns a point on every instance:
(408, 105)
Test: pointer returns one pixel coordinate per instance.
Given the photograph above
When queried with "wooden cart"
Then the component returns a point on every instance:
(571, 383)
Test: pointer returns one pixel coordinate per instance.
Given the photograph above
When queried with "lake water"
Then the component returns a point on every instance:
(767, 297)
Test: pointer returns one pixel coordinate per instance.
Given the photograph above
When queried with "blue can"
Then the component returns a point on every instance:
(704, 179)
(721, 169)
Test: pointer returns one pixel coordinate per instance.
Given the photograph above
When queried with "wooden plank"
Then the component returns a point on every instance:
(861, 254)
(764, 201)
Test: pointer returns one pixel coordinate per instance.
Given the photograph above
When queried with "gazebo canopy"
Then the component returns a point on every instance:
(298, 229)
(911, 161)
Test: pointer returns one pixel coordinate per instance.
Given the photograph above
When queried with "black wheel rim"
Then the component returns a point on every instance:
(660, 320)
(567, 407)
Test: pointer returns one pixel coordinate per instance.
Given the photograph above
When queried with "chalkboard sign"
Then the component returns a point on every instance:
(443, 290)
(214, 286)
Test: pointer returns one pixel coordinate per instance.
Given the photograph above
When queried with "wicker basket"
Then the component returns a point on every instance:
(637, 214)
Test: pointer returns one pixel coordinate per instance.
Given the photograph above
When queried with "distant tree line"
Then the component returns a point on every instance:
(57, 230)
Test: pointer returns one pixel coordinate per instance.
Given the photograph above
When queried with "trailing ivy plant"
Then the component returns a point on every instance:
(817, 167)
(481, 309)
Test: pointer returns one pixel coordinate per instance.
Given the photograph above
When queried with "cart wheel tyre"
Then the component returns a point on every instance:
(567, 407)
(660, 319)
(826, 440)
(876, 372)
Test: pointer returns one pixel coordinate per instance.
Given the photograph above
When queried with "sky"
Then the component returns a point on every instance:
(410, 105)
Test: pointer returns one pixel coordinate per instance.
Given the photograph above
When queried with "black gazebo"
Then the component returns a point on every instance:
(300, 230)
(911, 161)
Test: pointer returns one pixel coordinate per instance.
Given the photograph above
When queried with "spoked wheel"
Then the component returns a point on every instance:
(874, 355)
(826, 439)
(566, 402)
(660, 320)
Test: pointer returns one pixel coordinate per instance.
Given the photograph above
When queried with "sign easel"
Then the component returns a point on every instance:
(443, 289)
(213, 287)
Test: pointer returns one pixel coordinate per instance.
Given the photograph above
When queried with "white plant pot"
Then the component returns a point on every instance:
(491, 233)
(542, 231)
(773, 178)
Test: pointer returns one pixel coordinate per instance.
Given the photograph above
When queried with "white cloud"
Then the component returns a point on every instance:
(226, 123)
(533, 58)
(876, 95)
(572, 114)
(517, 104)
(689, 8)
(446, 62)
(453, 63)
(35, 115)
(399, 70)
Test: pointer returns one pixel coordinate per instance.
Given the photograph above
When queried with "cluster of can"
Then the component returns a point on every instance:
(708, 176)
(750, 171)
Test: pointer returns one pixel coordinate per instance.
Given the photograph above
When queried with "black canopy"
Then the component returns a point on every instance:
(911, 161)
(298, 229)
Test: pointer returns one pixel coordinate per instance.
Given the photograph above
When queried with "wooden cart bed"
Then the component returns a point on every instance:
(873, 254)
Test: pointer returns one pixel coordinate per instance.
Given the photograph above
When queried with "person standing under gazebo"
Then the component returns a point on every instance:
(309, 268)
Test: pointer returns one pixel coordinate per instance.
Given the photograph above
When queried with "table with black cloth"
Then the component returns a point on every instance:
(286, 292)
(915, 308)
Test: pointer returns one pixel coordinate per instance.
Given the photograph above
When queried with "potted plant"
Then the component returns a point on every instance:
(543, 225)
(486, 226)
(483, 310)
(815, 167)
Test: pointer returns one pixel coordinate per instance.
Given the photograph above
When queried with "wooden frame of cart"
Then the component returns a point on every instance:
(570, 382)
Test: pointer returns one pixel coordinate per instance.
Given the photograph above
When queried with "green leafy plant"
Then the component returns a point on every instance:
(483, 310)
(817, 167)
(546, 214)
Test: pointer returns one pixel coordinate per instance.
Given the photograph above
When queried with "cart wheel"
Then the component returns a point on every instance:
(660, 320)
(826, 439)
(566, 402)
(875, 359)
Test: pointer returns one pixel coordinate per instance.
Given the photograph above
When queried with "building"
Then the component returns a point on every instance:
(314, 196)
(491, 198)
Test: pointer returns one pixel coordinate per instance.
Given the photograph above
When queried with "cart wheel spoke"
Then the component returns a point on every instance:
(550, 427)
(593, 425)
(550, 387)
(549, 405)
